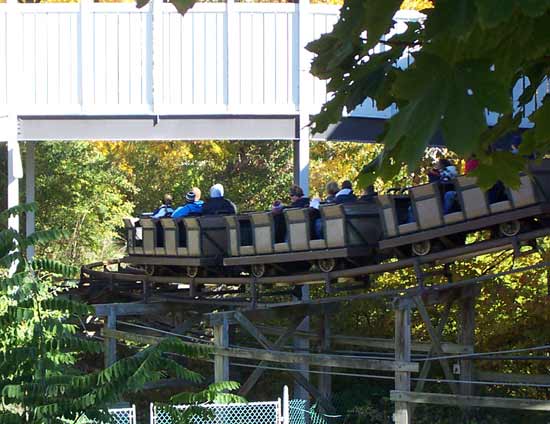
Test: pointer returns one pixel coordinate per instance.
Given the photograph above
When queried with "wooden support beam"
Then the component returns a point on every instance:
(302, 388)
(466, 336)
(221, 341)
(439, 331)
(470, 401)
(500, 377)
(132, 308)
(371, 342)
(436, 343)
(253, 331)
(402, 414)
(338, 361)
(296, 375)
(110, 342)
(325, 379)
(275, 312)
(130, 337)
(257, 373)
(187, 324)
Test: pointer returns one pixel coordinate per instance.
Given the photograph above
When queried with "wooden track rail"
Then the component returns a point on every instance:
(90, 273)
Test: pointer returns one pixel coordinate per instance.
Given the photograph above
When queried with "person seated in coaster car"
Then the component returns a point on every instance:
(297, 198)
(217, 204)
(332, 189)
(345, 195)
(163, 211)
(192, 206)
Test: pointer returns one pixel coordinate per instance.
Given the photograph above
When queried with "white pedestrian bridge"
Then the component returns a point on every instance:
(108, 70)
(111, 71)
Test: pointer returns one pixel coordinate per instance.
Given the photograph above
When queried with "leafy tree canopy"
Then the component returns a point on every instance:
(467, 58)
(41, 345)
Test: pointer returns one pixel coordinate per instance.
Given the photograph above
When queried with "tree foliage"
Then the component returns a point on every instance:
(81, 193)
(467, 58)
(41, 344)
(253, 173)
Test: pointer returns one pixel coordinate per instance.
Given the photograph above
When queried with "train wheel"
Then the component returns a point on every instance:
(421, 248)
(192, 271)
(257, 270)
(509, 229)
(150, 269)
(326, 265)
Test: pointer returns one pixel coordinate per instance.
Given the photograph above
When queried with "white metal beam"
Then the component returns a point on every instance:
(301, 147)
(15, 169)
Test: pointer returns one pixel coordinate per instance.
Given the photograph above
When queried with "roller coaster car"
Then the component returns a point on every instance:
(352, 234)
(191, 243)
(261, 240)
(509, 212)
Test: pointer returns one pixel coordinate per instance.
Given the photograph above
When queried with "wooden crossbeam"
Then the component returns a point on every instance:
(439, 331)
(276, 312)
(436, 343)
(296, 375)
(372, 342)
(338, 361)
(132, 308)
(470, 401)
(257, 373)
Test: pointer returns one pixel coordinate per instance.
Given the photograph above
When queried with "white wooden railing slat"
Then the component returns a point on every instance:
(112, 58)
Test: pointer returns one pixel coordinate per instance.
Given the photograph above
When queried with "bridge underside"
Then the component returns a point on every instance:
(189, 127)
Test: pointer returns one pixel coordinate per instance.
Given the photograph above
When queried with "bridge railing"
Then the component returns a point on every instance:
(220, 58)
(112, 58)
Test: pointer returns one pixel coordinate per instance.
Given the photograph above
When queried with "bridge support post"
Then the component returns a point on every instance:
(403, 413)
(301, 146)
(30, 192)
(221, 339)
(15, 168)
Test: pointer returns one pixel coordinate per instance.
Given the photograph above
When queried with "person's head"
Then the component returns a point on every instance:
(197, 192)
(347, 184)
(443, 163)
(216, 191)
(190, 197)
(332, 188)
(296, 192)
(369, 191)
(167, 199)
(277, 207)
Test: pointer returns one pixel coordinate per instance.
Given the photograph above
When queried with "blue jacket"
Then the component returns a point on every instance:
(162, 211)
(194, 208)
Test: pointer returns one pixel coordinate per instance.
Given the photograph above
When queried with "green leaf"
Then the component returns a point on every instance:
(18, 210)
(378, 15)
(183, 5)
(494, 12)
(55, 267)
(534, 8)
(464, 121)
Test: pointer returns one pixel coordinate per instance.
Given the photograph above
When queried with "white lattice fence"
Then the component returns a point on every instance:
(123, 415)
(237, 413)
